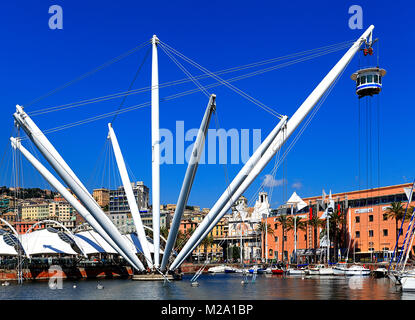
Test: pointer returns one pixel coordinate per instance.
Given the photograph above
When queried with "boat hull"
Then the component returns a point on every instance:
(408, 284)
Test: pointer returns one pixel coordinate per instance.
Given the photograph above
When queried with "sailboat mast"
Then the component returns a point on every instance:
(155, 151)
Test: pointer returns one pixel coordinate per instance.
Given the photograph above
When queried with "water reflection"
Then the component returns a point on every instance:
(217, 287)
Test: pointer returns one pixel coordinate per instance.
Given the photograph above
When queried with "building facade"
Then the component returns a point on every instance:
(367, 230)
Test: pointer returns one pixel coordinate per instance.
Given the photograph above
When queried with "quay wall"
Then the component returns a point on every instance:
(68, 273)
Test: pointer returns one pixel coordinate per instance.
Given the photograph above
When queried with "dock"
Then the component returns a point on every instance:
(153, 277)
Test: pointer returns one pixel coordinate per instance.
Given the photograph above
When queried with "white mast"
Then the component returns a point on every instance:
(65, 194)
(132, 203)
(69, 177)
(155, 150)
(221, 208)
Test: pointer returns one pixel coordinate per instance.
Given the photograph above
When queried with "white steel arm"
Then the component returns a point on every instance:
(132, 203)
(65, 193)
(61, 168)
(188, 180)
(215, 215)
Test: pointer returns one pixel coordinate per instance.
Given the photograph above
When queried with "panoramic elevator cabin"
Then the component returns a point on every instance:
(368, 81)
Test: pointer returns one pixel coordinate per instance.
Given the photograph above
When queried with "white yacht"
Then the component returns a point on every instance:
(357, 271)
(217, 269)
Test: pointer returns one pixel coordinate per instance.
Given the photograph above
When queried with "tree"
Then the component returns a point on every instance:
(207, 241)
(261, 229)
(397, 211)
(299, 225)
(315, 222)
(336, 222)
(282, 221)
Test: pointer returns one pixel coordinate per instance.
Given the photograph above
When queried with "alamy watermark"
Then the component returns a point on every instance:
(56, 20)
(356, 20)
(221, 146)
(56, 277)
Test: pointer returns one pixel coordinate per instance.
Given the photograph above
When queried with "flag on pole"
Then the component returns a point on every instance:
(408, 193)
(338, 209)
(311, 213)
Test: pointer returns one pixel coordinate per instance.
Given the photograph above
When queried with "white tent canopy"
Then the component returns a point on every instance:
(47, 241)
(7, 242)
(92, 243)
(297, 201)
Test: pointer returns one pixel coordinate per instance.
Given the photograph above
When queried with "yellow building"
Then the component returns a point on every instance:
(33, 212)
(101, 196)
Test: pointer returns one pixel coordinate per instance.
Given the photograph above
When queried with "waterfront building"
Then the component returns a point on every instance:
(373, 232)
(102, 197)
(244, 224)
(118, 202)
(34, 211)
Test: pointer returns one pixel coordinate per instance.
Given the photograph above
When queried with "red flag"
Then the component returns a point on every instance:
(338, 209)
(311, 213)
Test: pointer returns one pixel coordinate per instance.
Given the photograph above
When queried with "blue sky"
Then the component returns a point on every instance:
(218, 35)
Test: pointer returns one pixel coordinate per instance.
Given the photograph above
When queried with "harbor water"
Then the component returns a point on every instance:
(214, 287)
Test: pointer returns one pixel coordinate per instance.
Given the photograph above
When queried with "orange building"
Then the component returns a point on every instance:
(373, 233)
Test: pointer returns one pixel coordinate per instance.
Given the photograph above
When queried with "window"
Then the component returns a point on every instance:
(369, 78)
(276, 239)
(357, 234)
(357, 219)
(285, 238)
(385, 216)
(362, 79)
(371, 217)
(376, 78)
(385, 232)
(276, 226)
(380, 79)
(357, 81)
(370, 233)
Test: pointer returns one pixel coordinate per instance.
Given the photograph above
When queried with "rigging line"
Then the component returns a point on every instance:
(132, 83)
(308, 121)
(227, 84)
(186, 72)
(335, 47)
(136, 91)
(174, 96)
(106, 64)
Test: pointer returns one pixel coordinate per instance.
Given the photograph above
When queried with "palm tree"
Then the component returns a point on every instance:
(299, 225)
(397, 211)
(336, 223)
(205, 243)
(282, 221)
(315, 222)
(261, 229)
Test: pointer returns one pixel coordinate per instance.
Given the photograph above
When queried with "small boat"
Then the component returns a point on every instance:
(357, 271)
(408, 283)
(325, 271)
(277, 271)
(314, 271)
(256, 269)
(268, 270)
(295, 272)
(100, 286)
(230, 269)
(380, 272)
(320, 270)
(217, 269)
(5, 283)
(194, 284)
(339, 270)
